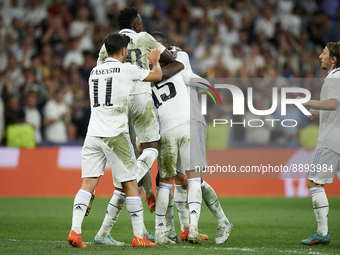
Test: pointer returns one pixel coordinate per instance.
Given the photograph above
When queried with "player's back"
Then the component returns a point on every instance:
(172, 102)
(139, 44)
(109, 87)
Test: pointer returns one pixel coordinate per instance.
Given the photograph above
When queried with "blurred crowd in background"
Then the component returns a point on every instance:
(48, 48)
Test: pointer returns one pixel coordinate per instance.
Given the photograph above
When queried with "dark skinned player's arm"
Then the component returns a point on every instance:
(172, 66)
(171, 69)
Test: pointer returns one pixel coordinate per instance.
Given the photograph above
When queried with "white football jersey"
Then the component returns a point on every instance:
(139, 43)
(329, 128)
(172, 101)
(109, 85)
(195, 107)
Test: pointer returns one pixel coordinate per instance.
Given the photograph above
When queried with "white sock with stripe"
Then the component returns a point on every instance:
(169, 217)
(181, 201)
(80, 204)
(210, 198)
(135, 208)
(194, 200)
(113, 209)
(146, 182)
(145, 161)
(162, 201)
(321, 207)
(140, 191)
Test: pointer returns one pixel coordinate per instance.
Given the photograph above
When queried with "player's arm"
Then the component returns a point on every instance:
(171, 69)
(314, 114)
(102, 55)
(167, 56)
(156, 71)
(325, 105)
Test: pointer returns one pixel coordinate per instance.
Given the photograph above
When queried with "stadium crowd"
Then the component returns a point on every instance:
(48, 48)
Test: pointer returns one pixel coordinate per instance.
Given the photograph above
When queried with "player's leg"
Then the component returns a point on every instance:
(93, 164)
(148, 234)
(198, 159)
(122, 160)
(194, 202)
(135, 208)
(170, 231)
(112, 212)
(181, 201)
(150, 196)
(194, 181)
(224, 226)
(324, 163)
(144, 125)
(167, 170)
(162, 201)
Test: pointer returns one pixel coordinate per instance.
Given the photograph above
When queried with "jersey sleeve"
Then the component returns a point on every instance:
(333, 88)
(137, 73)
(102, 55)
(151, 43)
(186, 74)
(184, 59)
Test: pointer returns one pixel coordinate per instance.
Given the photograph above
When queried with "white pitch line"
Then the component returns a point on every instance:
(199, 247)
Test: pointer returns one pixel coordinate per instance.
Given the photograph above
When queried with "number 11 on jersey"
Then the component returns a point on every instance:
(107, 94)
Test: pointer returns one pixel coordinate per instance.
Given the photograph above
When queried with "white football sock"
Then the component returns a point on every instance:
(80, 204)
(181, 201)
(169, 217)
(321, 207)
(194, 200)
(145, 161)
(113, 209)
(140, 191)
(210, 198)
(162, 201)
(147, 186)
(135, 208)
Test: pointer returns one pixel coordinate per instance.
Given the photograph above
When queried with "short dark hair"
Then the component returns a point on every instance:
(159, 34)
(126, 16)
(114, 42)
(334, 51)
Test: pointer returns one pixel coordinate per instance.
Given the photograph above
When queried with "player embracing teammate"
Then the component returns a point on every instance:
(107, 138)
(137, 110)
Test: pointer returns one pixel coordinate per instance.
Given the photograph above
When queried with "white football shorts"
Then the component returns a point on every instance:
(198, 137)
(325, 162)
(174, 151)
(117, 151)
(143, 119)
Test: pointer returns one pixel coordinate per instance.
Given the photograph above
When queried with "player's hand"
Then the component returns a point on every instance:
(153, 56)
(173, 50)
(314, 114)
(298, 97)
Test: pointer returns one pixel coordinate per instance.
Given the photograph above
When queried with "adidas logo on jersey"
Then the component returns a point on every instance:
(193, 212)
(160, 225)
(134, 215)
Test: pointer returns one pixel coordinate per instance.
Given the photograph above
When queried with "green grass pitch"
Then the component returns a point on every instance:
(261, 226)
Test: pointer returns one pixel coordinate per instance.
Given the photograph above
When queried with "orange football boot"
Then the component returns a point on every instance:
(184, 235)
(139, 242)
(75, 240)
